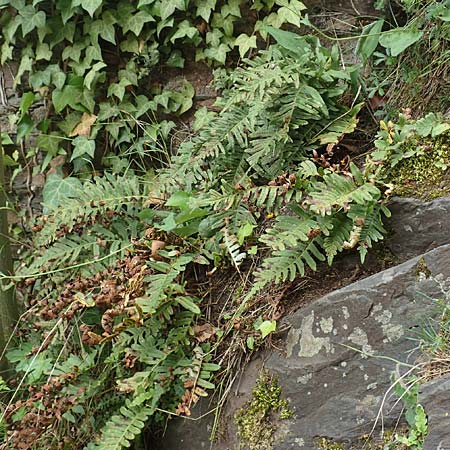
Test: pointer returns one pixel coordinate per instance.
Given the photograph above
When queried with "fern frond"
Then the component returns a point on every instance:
(108, 193)
(341, 227)
(285, 265)
(337, 191)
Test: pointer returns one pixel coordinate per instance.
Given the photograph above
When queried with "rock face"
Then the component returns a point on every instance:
(418, 226)
(435, 398)
(340, 354)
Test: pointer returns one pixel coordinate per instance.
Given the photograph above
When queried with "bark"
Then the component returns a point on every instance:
(8, 306)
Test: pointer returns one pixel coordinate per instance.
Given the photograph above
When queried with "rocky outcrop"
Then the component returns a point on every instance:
(418, 226)
(435, 398)
(339, 358)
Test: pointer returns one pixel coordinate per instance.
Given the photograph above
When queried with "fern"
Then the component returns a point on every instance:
(337, 192)
(122, 429)
(273, 109)
(108, 193)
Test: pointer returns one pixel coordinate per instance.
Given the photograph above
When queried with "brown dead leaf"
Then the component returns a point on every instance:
(156, 246)
(204, 332)
(84, 127)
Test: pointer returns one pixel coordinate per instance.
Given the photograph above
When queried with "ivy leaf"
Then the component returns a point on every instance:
(232, 7)
(136, 23)
(31, 19)
(245, 43)
(89, 78)
(399, 39)
(82, 146)
(184, 29)
(91, 6)
(104, 28)
(58, 189)
(205, 8)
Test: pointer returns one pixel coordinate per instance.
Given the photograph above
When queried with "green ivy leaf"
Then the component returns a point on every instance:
(91, 6)
(104, 28)
(205, 8)
(31, 19)
(58, 189)
(83, 146)
(245, 43)
(399, 39)
(136, 22)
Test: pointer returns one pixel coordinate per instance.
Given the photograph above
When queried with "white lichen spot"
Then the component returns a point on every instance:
(345, 312)
(344, 364)
(344, 374)
(359, 420)
(292, 341)
(371, 386)
(366, 377)
(311, 345)
(359, 337)
(384, 318)
(393, 332)
(326, 325)
(325, 385)
(300, 442)
(345, 326)
(304, 378)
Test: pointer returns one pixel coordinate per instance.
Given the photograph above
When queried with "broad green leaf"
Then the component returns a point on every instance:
(245, 43)
(90, 76)
(136, 22)
(290, 41)
(58, 189)
(43, 52)
(231, 7)
(369, 40)
(31, 19)
(399, 39)
(267, 327)
(82, 146)
(440, 129)
(205, 8)
(184, 29)
(91, 6)
(104, 27)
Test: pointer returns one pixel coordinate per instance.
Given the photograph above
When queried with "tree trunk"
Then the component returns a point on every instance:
(8, 307)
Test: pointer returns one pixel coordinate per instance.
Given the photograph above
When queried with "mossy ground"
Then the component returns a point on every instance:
(257, 420)
(385, 442)
(426, 175)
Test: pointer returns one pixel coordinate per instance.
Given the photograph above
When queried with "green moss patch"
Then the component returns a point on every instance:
(426, 175)
(257, 420)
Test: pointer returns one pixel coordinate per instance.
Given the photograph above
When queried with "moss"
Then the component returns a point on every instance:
(427, 175)
(367, 442)
(422, 269)
(256, 420)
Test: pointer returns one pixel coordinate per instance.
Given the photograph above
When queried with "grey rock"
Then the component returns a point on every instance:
(340, 354)
(417, 226)
(434, 396)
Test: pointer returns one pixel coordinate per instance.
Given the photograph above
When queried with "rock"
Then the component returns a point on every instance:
(434, 396)
(417, 226)
(340, 354)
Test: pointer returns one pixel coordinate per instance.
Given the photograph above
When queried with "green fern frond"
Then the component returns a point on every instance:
(341, 227)
(337, 192)
(108, 193)
(285, 265)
